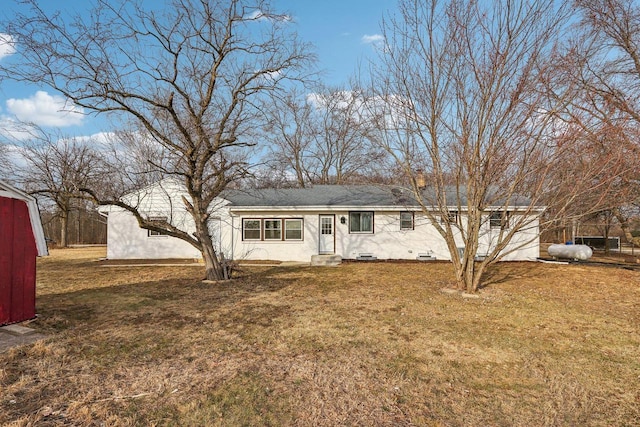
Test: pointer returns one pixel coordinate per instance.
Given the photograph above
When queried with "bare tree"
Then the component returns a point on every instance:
(602, 153)
(603, 61)
(322, 137)
(190, 75)
(459, 96)
(57, 168)
(342, 152)
(5, 163)
(291, 132)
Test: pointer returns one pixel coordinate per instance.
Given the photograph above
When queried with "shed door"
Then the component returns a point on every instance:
(327, 234)
(17, 262)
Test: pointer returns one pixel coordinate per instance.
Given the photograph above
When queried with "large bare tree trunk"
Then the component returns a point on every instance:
(64, 227)
(214, 270)
(212, 266)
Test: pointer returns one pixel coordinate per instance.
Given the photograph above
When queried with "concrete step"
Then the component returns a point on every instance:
(17, 330)
(326, 260)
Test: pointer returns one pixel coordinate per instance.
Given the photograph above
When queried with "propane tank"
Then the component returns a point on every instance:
(581, 252)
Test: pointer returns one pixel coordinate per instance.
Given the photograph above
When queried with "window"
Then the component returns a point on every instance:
(406, 220)
(292, 229)
(272, 229)
(326, 225)
(452, 217)
(251, 229)
(499, 220)
(160, 220)
(361, 222)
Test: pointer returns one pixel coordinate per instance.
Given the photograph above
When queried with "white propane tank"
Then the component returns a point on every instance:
(581, 252)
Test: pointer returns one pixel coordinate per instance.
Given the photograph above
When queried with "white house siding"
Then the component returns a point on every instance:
(524, 245)
(290, 250)
(387, 241)
(126, 240)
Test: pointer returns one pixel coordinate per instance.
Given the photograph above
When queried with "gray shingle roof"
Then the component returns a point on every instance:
(339, 196)
(321, 195)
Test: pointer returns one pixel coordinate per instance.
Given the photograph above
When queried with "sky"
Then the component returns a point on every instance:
(345, 33)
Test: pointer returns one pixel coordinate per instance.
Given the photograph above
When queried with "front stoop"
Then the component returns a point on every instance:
(326, 260)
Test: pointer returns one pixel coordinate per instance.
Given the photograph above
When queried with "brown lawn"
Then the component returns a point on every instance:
(362, 344)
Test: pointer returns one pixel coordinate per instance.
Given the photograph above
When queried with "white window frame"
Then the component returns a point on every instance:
(290, 220)
(282, 227)
(244, 229)
(279, 228)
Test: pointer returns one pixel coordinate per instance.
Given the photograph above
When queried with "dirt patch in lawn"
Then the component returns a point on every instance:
(361, 344)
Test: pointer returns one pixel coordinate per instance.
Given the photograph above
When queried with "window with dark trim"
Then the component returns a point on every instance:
(160, 220)
(251, 229)
(406, 221)
(293, 229)
(451, 216)
(499, 220)
(272, 229)
(361, 222)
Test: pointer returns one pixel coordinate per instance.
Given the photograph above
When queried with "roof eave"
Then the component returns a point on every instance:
(416, 208)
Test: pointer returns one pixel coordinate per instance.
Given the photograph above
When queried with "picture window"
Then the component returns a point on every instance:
(361, 222)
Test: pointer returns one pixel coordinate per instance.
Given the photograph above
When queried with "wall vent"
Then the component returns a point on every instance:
(425, 257)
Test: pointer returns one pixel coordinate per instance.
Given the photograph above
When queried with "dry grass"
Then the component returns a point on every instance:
(362, 344)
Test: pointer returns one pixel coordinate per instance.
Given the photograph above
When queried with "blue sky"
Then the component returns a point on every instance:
(344, 32)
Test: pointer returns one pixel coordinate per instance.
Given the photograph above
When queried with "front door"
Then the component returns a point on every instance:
(327, 237)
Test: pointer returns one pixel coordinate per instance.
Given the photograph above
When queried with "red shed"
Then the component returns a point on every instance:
(21, 241)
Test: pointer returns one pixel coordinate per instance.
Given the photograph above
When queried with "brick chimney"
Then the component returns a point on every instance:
(421, 180)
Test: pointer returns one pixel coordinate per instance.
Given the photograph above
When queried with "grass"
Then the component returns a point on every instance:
(361, 344)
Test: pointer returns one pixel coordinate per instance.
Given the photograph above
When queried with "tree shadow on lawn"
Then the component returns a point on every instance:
(507, 271)
(175, 301)
(105, 340)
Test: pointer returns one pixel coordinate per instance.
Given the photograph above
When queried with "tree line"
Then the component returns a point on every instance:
(485, 102)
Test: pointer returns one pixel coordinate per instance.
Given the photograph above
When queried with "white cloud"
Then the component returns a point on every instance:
(347, 102)
(340, 100)
(271, 76)
(13, 130)
(46, 110)
(316, 100)
(372, 39)
(14, 155)
(258, 15)
(97, 139)
(7, 45)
